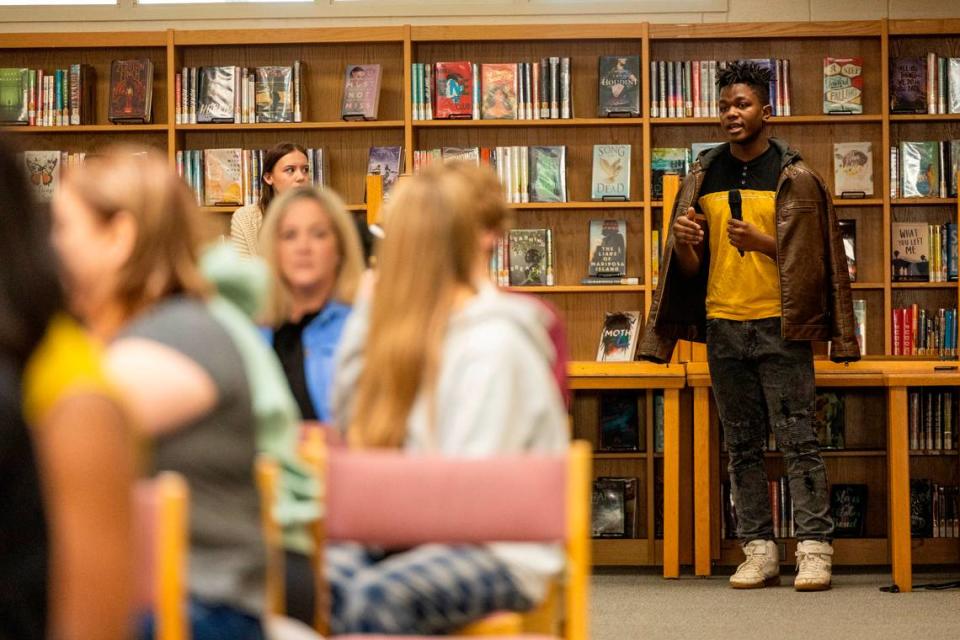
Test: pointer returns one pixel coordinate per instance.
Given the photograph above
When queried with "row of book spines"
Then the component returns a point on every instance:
(188, 98)
(934, 509)
(505, 274)
(688, 88)
(932, 418)
(542, 90)
(943, 84)
(925, 169)
(60, 98)
(917, 332)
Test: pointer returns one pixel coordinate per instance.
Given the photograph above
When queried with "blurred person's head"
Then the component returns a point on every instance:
(285, 166)
(29, 287)
(432, 258)
(310, 242)
(124, 228)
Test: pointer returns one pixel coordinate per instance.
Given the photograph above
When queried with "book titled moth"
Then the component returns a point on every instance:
(361, 92)
(611, 172)
(843, 85)
(618, 339)
(454, 90)
(619, 86)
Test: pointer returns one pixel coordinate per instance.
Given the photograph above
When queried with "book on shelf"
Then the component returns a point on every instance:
(14, 96)
(222, 177)
(548, 174)
(908, 85)
(848, 235)
(953, 85)
(131, 91)
(945, 511)
(273, 89)
(531, 257)
(848, 506)
(829, 419)
(618, 338)
(614, 511)
(611, 172)
(58, 98)
(386, 162)
(454, 90)
(608, 249)
(921, 332)
(911, 251)
(43, 170)
(942, 84)
(932, 419)
(843, 85)
(215, 94)
(655, 249)
(919, 169)
(619, 421)
(667, 160)
(499, 90)
(781, 507)
(860, 323)
(852, 169)
(600, 281)
(461, 154)
(921, 508)
(618, 86)
(361, 92)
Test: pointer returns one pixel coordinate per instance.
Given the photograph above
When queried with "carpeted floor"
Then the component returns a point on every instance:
(634, 605)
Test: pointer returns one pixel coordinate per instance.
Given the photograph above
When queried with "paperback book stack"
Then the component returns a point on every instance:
(922, 332)
(688, 88)
(492, 91)
(924, 169)
(238, 95)
(221, 177)
(929, 84)
(932, 420)
(57, 98)
(523, 258)
(934, 509)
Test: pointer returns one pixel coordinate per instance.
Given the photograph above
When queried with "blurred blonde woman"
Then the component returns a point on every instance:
(311, 245)
(441, 361)
(123, 227)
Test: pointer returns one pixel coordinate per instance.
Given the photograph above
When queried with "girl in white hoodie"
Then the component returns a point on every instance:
(456, 367)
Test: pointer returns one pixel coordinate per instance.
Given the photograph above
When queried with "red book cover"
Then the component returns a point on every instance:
(454, 90)
(131, 90)
(908, 329)
(499, 84)
(898, 332)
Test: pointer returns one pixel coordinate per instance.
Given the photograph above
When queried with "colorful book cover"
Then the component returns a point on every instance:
(608, 248)
(619, 421)
(528, 257)
(43, 169)
(361, 92)
(908, 85)
(848, 234)
(131, 90)
(548, 174)
(843, 85)
(911, 251)
(499, 90)
(222, 177)
(953, 167)
(618, 339)
(619, 86)
(13, 88)
(454, 90)
(828, 419)
(215, 98)
(611, 172)
(667, 160)
(273, 91)
(385, 161)
(852, 168)
(848, 505)
(919, 169)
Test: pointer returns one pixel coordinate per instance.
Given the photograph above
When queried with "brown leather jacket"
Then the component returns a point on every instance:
(814, 282)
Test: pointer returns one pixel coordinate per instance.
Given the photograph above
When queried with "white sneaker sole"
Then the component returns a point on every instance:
(772, 581)
(812, 586)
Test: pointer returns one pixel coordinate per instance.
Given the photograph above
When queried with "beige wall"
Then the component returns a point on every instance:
(738, 11)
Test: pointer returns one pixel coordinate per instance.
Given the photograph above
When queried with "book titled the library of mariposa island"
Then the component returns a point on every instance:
(911, 252)
(908, 85)
(853, 169)
(531, 259)
(43, 169)
(498, 91)
(619, 86)
(361, 92)
(454, 90)
(548, 174)
(608, 248)
(614, 508)
(618, 339)
(385, 161)
(274, 94)
(131, 91)
(843, 85)
(619, 421)
(667, 160)
(848, 505)
(611, 172)
(215, 98)
(223, 177)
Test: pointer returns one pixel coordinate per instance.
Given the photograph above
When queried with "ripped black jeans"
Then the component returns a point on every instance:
(758, 376)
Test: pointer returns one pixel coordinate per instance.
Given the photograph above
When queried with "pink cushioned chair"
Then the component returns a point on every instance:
(396, 500)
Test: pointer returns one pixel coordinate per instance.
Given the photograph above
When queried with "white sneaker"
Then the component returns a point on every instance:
(814, 565)
(760, 569)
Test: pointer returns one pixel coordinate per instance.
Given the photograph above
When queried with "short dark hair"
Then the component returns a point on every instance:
(270, 159)
(30, 291)
(749, 73)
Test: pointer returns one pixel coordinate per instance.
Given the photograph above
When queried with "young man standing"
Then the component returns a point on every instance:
(754, 266)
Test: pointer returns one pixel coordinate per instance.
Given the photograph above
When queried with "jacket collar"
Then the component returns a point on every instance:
(788, 155)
